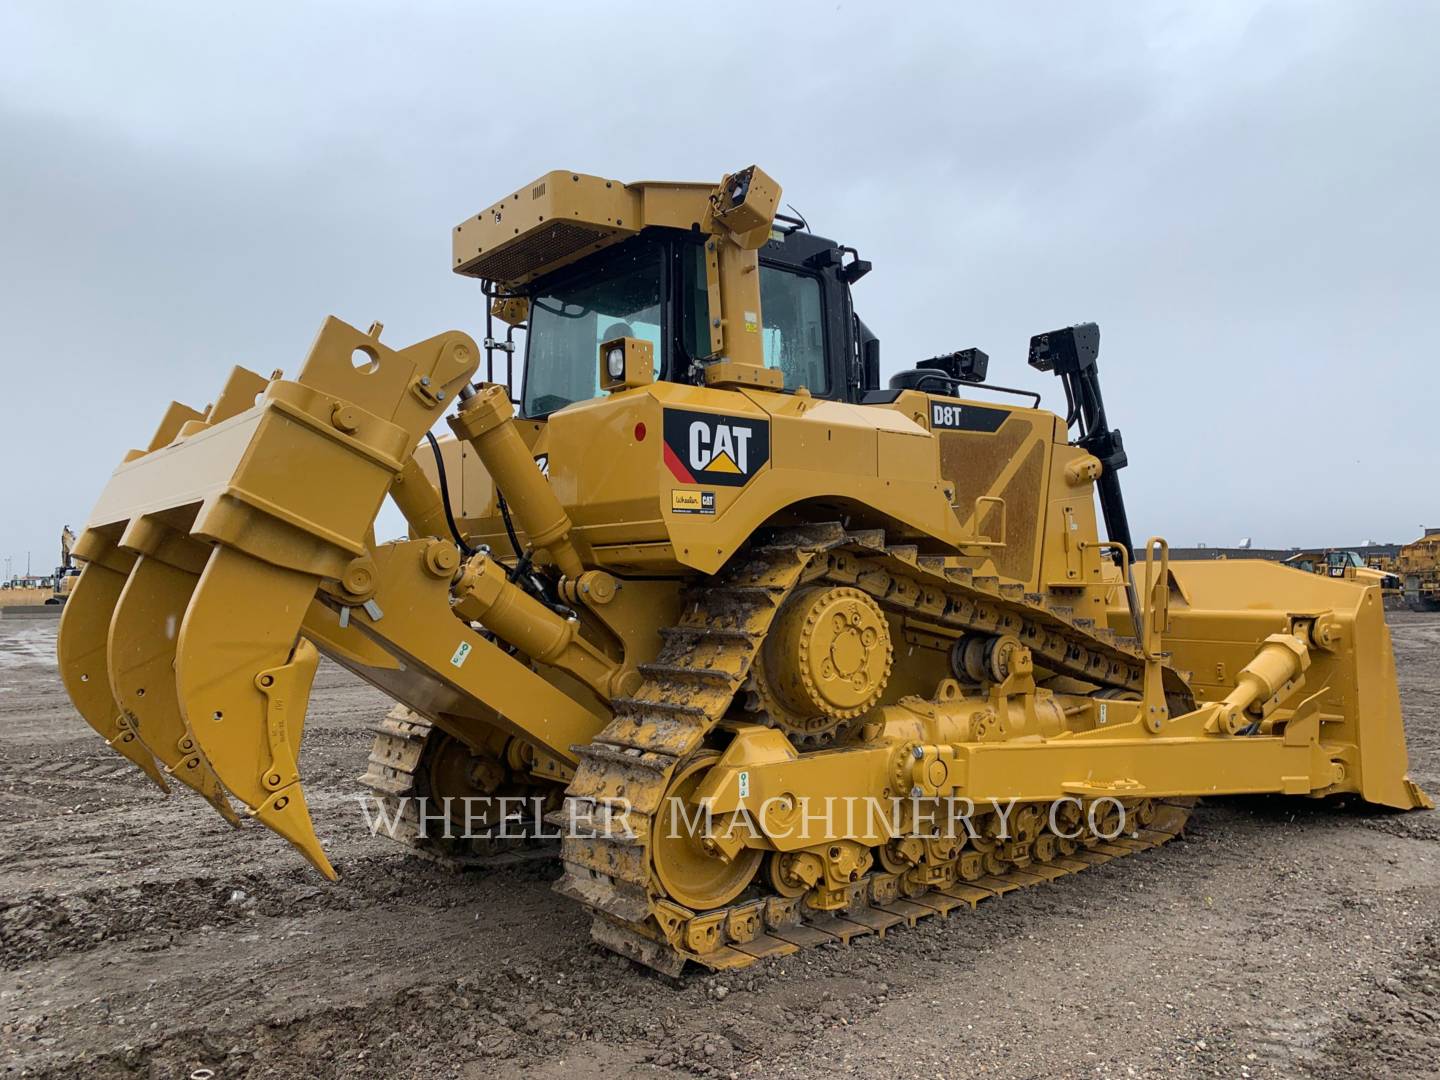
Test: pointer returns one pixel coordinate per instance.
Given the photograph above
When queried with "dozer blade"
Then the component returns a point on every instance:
(243, 675)
(144, 633)
(82, 651)
(1232, 605)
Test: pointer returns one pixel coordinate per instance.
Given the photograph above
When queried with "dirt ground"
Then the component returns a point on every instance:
(139, 937)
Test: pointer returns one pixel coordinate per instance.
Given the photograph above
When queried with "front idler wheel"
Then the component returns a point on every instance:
(690, 867)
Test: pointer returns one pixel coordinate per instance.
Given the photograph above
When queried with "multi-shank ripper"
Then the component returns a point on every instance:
(711, 564)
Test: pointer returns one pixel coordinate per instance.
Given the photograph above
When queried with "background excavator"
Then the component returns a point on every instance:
(66, 572)
(53, 590)
(706, 561)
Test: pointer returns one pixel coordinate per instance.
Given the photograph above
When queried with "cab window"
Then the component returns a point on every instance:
(794, 335)
(792, 317)
(568, 323)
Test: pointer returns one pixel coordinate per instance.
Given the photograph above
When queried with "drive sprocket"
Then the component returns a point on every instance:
(827, 662)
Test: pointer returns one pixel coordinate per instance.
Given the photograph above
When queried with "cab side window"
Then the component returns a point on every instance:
(794, 329)
(792, 317)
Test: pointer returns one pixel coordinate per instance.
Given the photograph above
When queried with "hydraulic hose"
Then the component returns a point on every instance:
(465, 549)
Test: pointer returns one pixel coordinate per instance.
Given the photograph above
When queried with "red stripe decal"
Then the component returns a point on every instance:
(677, 467)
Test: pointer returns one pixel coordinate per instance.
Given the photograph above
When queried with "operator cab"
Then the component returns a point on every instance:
(652, 287)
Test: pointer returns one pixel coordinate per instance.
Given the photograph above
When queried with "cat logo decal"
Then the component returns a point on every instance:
(710, 448)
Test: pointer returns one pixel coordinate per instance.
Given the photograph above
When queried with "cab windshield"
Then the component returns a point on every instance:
(568, 322)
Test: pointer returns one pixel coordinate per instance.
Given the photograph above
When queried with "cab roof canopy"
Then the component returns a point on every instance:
(563, 217)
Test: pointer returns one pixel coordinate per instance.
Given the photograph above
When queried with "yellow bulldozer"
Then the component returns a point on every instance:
(780, 654)
(1419, 570)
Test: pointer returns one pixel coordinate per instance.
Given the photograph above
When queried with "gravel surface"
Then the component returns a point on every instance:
(140, 938)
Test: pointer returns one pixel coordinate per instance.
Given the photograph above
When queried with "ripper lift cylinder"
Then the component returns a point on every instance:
(485, 422)
(484, 594)
(419, 501)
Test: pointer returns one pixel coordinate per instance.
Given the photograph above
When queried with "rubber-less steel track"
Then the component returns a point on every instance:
(624, 774)
(396, 776)
(741, 933)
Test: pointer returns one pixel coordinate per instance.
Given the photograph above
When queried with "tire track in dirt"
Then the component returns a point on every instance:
(43, 926)
(1278, 939)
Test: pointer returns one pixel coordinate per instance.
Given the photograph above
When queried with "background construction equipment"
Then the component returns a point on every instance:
(1419, 568)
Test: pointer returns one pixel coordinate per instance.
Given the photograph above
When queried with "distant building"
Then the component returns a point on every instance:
(1366, 551)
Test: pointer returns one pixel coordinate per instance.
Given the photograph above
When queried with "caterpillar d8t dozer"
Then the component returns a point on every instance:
(783, 656)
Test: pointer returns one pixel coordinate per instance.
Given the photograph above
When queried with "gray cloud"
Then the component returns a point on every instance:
(1241, 195)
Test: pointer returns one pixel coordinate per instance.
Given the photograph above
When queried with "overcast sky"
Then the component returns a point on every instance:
(1242, 195)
